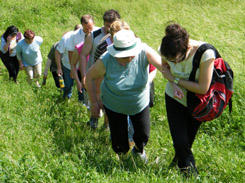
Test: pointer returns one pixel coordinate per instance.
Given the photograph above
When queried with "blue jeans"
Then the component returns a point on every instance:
(130, 130)
(67, 91)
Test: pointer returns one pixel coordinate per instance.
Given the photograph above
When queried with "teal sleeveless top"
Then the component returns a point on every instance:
(125, 89)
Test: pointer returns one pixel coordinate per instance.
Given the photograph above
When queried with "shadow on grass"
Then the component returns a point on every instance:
(67, 121)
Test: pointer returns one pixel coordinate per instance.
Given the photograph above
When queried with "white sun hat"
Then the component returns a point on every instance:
(125, 44)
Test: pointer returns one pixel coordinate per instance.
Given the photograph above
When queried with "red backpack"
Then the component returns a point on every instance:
(211, 105)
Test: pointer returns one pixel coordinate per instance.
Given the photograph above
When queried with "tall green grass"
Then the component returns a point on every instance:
(46, 139)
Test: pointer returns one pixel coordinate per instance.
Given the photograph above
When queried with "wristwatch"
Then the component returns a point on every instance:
(176, 81)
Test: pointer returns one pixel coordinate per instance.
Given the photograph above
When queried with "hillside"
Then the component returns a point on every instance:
(46, 139)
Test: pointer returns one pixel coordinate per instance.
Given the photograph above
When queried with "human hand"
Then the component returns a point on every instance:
(59, 72)
(9, 38)
(178, 93)
(22, 67)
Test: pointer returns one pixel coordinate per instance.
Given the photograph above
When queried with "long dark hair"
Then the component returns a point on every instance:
(10, 30)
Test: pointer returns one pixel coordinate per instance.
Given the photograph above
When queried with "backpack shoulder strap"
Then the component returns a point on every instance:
(197, 58)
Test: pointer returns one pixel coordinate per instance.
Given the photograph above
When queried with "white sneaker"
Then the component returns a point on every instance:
(142, 156)
(38, 85)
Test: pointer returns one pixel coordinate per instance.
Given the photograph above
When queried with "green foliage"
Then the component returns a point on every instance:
(46, 139)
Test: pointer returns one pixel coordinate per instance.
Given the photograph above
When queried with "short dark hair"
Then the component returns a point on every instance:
(85, 19)
(111, 16)
(78, 26)
(175, 41)
(29, 34)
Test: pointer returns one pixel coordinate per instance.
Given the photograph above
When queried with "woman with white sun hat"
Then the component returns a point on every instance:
(125, 89)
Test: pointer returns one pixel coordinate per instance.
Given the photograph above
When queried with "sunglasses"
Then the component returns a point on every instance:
(178, 60)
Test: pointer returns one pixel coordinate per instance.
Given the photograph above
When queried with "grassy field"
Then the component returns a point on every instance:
(46, 139)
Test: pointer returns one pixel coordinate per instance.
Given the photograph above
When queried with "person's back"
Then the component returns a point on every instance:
(62, 49)
(51, 65)
(102, 46)
(51, 56)
(96, 37)
(90, 46)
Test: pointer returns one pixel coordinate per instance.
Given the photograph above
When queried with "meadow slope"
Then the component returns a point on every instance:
(46, 139)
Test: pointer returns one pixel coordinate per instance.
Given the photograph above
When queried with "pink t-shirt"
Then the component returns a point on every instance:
(79, 48)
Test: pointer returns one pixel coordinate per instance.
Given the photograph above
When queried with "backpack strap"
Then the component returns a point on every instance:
(198, 56)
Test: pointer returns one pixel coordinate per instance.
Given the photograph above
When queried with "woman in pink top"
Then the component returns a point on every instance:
(74, 65)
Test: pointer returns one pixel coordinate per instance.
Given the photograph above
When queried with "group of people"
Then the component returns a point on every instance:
(20, 52)
(113, 71)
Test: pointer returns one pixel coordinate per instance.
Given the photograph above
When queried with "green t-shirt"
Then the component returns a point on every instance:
(125, 89)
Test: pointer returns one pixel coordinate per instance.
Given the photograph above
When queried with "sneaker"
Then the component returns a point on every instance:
(38, 85)
(106, 126)
(142, 155)
(189, 171)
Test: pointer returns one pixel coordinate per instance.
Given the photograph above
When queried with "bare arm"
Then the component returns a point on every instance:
(178, 93)
(87, 47)
(45, 72)
(58, 62)
(96, 71)
(21, 65)
(70, 53)
(200, 87)
(73, 62)
(6, 46)
(154, 58)
(206, 73)
(19, 57)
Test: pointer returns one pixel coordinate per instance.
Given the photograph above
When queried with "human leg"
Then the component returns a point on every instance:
(80, 94)
(141, 124)
(68, 83)
(37, 73)
(56, 79)
(119, 131)
(178, 124)
(15, 68)
(5, 59)
(192, 128)
(29, 74)
(130, 130)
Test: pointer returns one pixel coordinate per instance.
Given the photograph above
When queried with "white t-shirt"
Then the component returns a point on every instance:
(63, 48)
(183, 70)
(12, 46)
(77, 37)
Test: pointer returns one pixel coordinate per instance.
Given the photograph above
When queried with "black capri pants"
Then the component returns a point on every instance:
(183, 128)
(11, 63)
(119, 129)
